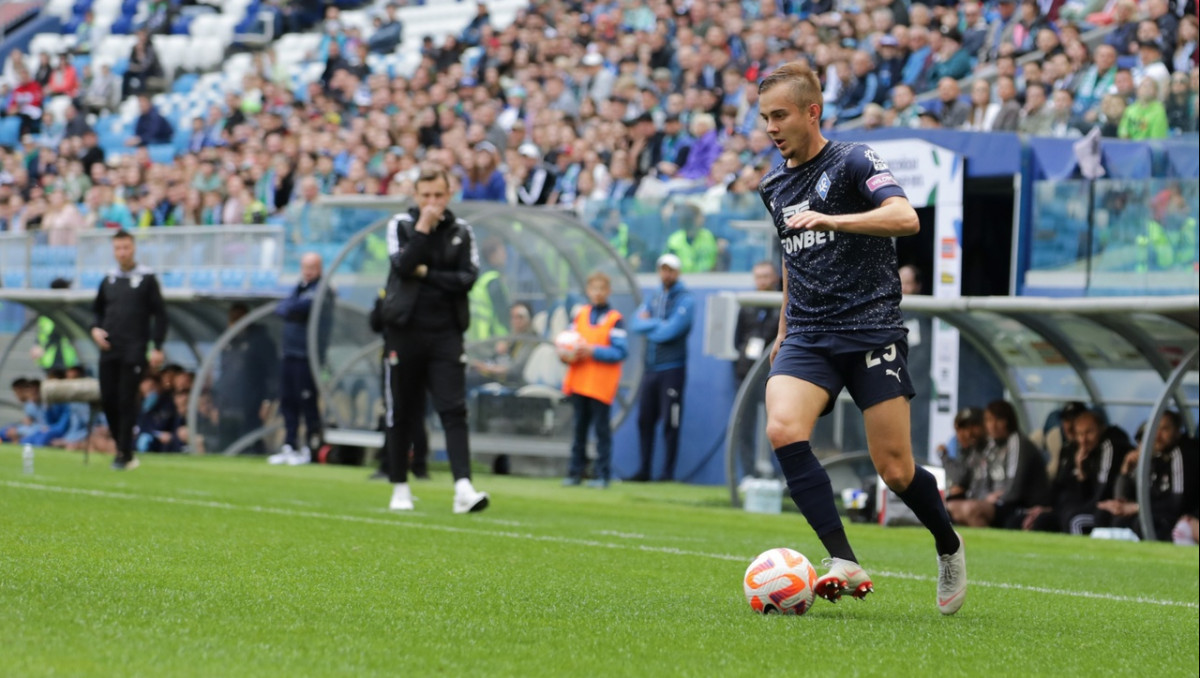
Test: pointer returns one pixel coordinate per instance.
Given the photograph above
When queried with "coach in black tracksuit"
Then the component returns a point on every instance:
(433, 264)
(130, 314)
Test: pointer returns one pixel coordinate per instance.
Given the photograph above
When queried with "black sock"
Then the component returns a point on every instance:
(809, 485)
(923, 498)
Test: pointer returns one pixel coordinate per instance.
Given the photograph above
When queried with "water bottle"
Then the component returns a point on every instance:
(27, 458)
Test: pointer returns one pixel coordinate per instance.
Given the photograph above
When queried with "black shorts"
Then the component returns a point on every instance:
(872, 376)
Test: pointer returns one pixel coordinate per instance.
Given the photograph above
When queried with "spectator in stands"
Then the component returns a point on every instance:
(1180, 105)
(1123, 36)
(157, 422)
(1150, 65)
(1186, 56)
(484, 179)
(508, 357)
(1095, 81)
(101, 90)
(26, 100)
(472, 35)
(1036, 114)
(953, 110)
(63, 80)
(309, 221)
(665, 318)
(951, 60)
(62, 221)
(694, 245)
(297, 388)
(1167, 483)
(1062, 119)
(151, 127)
(389, 32)
(999, 30)
(143, 66)
(1112, 110)
(537, 177)
(1146, 118)
(84, 33)
(983, 111)
(158, 17)
(863, 87)
(904, 112)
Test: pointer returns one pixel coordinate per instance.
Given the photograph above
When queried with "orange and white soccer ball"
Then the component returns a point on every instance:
(780, 581)
(568, 343)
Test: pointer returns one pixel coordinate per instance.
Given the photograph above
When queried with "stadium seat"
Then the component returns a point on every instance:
(162, 154)
(202, 279)
(90, 279)
(264, 280)
(14, 279)
(10, 131)
(172, 279)
(233, 279)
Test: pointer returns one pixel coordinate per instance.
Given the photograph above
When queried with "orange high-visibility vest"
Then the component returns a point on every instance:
(589, 377)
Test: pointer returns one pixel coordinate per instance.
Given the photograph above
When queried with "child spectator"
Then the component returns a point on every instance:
(593, 378)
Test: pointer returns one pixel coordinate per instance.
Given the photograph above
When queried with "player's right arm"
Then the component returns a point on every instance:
(782, 332)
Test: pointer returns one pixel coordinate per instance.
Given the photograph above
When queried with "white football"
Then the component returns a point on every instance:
(568, 343)
(781, 581)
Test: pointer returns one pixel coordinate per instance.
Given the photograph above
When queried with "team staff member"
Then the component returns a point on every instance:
(425, 311)
(130, 314)
(836, 207)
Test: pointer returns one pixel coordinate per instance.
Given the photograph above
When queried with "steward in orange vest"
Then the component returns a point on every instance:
(593, 378)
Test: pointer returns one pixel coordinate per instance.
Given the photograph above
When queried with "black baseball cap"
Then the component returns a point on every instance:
(968, 416)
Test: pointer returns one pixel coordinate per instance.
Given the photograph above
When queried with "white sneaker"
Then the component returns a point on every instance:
(952, 580)
(283, 456)
(300, 457)
(470, 501)
(844, 576)
(402, 499)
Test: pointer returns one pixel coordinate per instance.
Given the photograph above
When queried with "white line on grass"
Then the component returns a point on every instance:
(553, 539)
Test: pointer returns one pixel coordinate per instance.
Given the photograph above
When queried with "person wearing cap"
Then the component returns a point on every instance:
(958, 454)
(837, 207)
(665, 320)
(1010, 474)
(1150, 65)
(538, 179)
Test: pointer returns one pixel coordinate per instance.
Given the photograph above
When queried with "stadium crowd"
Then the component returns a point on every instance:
(578, 104)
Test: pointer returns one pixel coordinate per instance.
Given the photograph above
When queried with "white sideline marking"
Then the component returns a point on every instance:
(557, 540)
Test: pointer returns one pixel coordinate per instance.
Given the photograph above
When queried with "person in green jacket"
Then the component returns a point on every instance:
(1145, 118)
(489, 295)
(53, 349)
(695, 245)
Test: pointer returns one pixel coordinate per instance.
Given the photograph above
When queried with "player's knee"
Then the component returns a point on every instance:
(896, 474)
(781, 432)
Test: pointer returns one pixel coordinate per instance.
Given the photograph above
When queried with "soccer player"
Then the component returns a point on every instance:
(836, 207)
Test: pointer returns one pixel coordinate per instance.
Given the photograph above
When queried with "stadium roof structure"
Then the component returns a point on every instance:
(1131, 357)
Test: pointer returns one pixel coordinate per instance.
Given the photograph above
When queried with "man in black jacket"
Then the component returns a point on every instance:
(425, 310)
(757, 327)
(130, 314)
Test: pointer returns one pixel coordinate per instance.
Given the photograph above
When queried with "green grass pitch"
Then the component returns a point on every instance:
(210, 566)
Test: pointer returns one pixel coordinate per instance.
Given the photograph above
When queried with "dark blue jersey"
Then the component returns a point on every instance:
(836, 282)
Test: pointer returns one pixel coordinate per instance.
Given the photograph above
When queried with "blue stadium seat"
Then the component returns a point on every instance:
(39, 256)
(173, 279)
(14, 278)
(182, 25)
(185, 83)
(161, 154)
(120, 66)
(264, 280)
(233, 279)
(10, 131)
(122, 26)
(90, 279)
(202, 279)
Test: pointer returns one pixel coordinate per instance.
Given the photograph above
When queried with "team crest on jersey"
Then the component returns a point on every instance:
(823, 185)
(877, 161)
(794, 209)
